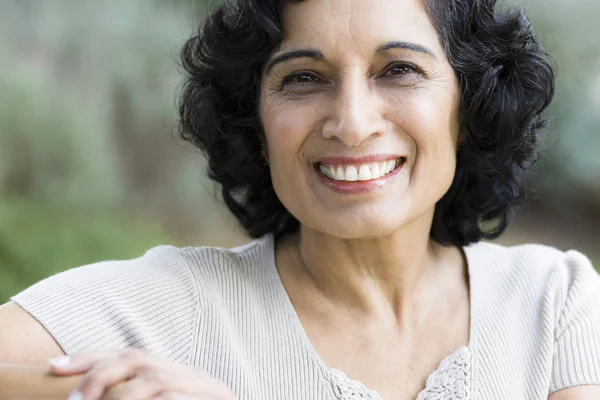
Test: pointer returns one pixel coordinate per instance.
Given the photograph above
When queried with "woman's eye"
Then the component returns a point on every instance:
(301, 78)
(400, 69)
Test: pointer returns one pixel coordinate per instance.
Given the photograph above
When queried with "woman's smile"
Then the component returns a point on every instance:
(359, 175)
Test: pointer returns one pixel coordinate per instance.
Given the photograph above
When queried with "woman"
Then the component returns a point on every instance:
(368, 145)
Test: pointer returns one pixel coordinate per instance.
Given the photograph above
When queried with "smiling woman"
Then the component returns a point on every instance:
(369, 146)
(378, 99)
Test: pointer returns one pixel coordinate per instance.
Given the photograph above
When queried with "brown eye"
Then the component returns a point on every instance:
(301, 78)
(401, 69)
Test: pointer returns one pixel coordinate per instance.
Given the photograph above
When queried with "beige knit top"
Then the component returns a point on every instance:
(535, 321)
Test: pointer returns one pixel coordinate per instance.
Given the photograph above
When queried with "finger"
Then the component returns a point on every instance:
(140, 387)
(198, 384)
(109, 372)
(166, 377)
(172, 378)
(76, 363)
(174, 396)
(185, 396)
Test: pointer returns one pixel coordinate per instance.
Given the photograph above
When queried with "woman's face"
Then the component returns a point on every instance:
(360, 114)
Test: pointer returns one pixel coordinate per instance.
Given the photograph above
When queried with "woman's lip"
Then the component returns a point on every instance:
(359, 160)
(359, 187)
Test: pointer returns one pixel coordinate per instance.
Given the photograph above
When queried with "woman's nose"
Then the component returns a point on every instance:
(356, 113)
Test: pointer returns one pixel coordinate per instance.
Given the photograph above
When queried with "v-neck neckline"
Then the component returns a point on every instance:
(302, 336)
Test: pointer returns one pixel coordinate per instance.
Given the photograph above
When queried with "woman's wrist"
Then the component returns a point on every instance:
(20, 382)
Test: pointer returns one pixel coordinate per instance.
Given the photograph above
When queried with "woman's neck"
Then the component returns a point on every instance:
(385, 277)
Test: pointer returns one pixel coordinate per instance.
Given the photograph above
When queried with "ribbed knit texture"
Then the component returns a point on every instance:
(535, 319)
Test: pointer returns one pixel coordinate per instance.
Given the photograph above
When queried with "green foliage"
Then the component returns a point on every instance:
(86, 111)
(40, 239)
(47, 150)
(571, 35)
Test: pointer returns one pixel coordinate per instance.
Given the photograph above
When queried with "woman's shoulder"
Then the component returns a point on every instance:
(221, 267)
(115, 304)
(150, 302)
(550, 276)
(530, 261)
(150, 271)
(112, 279)
(536, 308)
(533, 286)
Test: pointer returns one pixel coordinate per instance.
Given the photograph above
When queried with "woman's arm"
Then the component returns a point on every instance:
(23, 340)
(577, 393)
(19, 382)
(25, 347)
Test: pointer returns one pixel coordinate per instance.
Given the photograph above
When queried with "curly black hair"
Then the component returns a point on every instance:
(506, 81)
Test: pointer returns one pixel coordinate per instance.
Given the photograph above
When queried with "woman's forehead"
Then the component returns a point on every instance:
(358, 25)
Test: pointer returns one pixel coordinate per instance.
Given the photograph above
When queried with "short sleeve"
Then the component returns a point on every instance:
(576, 359)
(148, 303)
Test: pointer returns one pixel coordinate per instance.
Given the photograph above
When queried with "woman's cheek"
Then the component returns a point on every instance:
(285, 131)
(290, 122)
(428, 122)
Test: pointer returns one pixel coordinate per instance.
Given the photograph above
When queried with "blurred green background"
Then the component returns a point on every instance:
(91, 169)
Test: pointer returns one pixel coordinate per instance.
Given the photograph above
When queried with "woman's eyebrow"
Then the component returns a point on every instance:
(405, 45)
(316, 54)
(310, 53)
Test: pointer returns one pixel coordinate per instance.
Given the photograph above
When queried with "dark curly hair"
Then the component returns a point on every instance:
(506, 81)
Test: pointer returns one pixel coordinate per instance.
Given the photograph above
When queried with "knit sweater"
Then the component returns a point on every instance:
(534, 329)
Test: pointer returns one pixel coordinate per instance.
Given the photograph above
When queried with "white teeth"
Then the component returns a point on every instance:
(351, 174)
(331, 170)
(376, 171)
(362, 172)
(389, 166)
(324, 170)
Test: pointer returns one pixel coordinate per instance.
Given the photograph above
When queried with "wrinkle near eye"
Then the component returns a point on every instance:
(272, 82)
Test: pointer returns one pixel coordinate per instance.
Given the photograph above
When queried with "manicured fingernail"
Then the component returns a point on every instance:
(60, 361)
(76, 395)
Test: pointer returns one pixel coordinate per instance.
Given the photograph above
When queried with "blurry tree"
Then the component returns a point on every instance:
(89, 168)
(571, 163)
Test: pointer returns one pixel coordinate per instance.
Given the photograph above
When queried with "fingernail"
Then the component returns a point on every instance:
(76, 395)
(60, 361)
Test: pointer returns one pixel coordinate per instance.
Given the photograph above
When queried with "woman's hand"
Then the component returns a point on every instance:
(136, 375)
